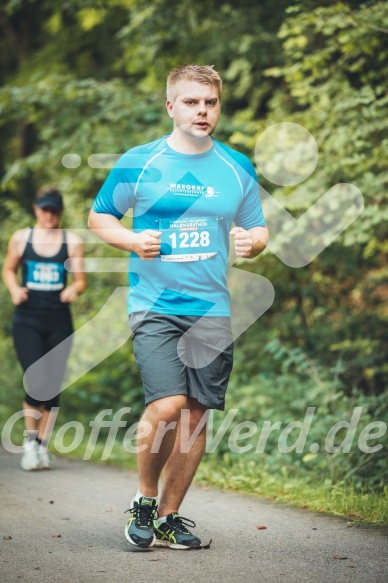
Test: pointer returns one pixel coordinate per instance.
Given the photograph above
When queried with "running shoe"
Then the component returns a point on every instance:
(46, 459)
(30, 458)
(140, 528)
(174, 534)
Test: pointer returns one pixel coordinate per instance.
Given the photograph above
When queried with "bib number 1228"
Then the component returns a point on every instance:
(193, 239)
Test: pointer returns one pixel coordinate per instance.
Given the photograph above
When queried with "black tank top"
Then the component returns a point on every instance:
(44, 277)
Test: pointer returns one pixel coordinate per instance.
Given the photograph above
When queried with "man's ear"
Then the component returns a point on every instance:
(169, 106)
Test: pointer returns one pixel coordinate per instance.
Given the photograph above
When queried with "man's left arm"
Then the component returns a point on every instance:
(250, 243)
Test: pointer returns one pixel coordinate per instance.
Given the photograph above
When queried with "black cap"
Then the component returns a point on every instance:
(50, 199)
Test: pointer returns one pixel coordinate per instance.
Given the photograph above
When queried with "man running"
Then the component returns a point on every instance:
(186, 191)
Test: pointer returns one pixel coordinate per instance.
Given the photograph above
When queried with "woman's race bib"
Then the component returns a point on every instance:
(44, 276)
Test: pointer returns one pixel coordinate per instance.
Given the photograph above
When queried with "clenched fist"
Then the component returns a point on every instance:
(243, 241)
(147, 244)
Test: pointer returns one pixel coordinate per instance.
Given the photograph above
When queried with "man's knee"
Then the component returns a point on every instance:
(166, 409)
(195, 415)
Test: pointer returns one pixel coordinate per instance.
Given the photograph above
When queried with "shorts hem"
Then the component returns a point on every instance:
(217, 406)
(153, 398)
(193, 313)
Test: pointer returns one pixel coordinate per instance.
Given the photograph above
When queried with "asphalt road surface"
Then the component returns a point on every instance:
(66, 525)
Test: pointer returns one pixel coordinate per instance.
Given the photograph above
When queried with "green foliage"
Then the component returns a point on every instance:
(317, 495)
(280, 393)
(106, 387)
(333, 78)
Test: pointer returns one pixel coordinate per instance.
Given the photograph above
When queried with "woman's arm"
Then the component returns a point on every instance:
(15, 250)
(76, 254)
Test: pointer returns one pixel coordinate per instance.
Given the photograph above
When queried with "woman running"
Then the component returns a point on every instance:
(42, 318)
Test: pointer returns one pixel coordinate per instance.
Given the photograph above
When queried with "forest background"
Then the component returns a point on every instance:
(88, 77)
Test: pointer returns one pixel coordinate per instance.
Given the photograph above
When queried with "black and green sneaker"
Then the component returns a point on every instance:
(140, 528)
(174, 534)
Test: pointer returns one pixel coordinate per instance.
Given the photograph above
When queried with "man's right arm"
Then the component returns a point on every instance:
(145, 244)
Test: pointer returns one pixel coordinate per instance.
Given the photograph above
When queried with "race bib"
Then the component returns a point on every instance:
(188, 239)
(45, 276)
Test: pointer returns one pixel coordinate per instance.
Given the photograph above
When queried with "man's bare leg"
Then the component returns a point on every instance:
(154, 449)
(180, 467)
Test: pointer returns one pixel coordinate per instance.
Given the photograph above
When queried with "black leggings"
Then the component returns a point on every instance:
(34, 338)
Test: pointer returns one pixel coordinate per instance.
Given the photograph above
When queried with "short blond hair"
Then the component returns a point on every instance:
(200, 73)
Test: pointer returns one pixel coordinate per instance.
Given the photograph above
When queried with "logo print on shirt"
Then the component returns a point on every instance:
(189, 186)
(210, 192)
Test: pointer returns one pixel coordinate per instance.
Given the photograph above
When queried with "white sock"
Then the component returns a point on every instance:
(140, 495)
(160, 520)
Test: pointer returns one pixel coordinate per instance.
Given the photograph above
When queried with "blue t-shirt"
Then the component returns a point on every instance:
(194, 200)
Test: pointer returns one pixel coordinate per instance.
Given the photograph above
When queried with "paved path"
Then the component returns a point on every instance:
(67, 526)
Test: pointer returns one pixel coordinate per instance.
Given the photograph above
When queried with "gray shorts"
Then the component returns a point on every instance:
(183, 355)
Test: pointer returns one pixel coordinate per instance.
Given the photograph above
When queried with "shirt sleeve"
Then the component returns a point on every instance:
(116, 195)
(250, 213)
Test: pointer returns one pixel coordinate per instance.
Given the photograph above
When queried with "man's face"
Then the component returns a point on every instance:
(195, 110)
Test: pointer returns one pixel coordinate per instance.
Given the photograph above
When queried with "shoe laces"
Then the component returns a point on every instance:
(180, 523)
(144, 515)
